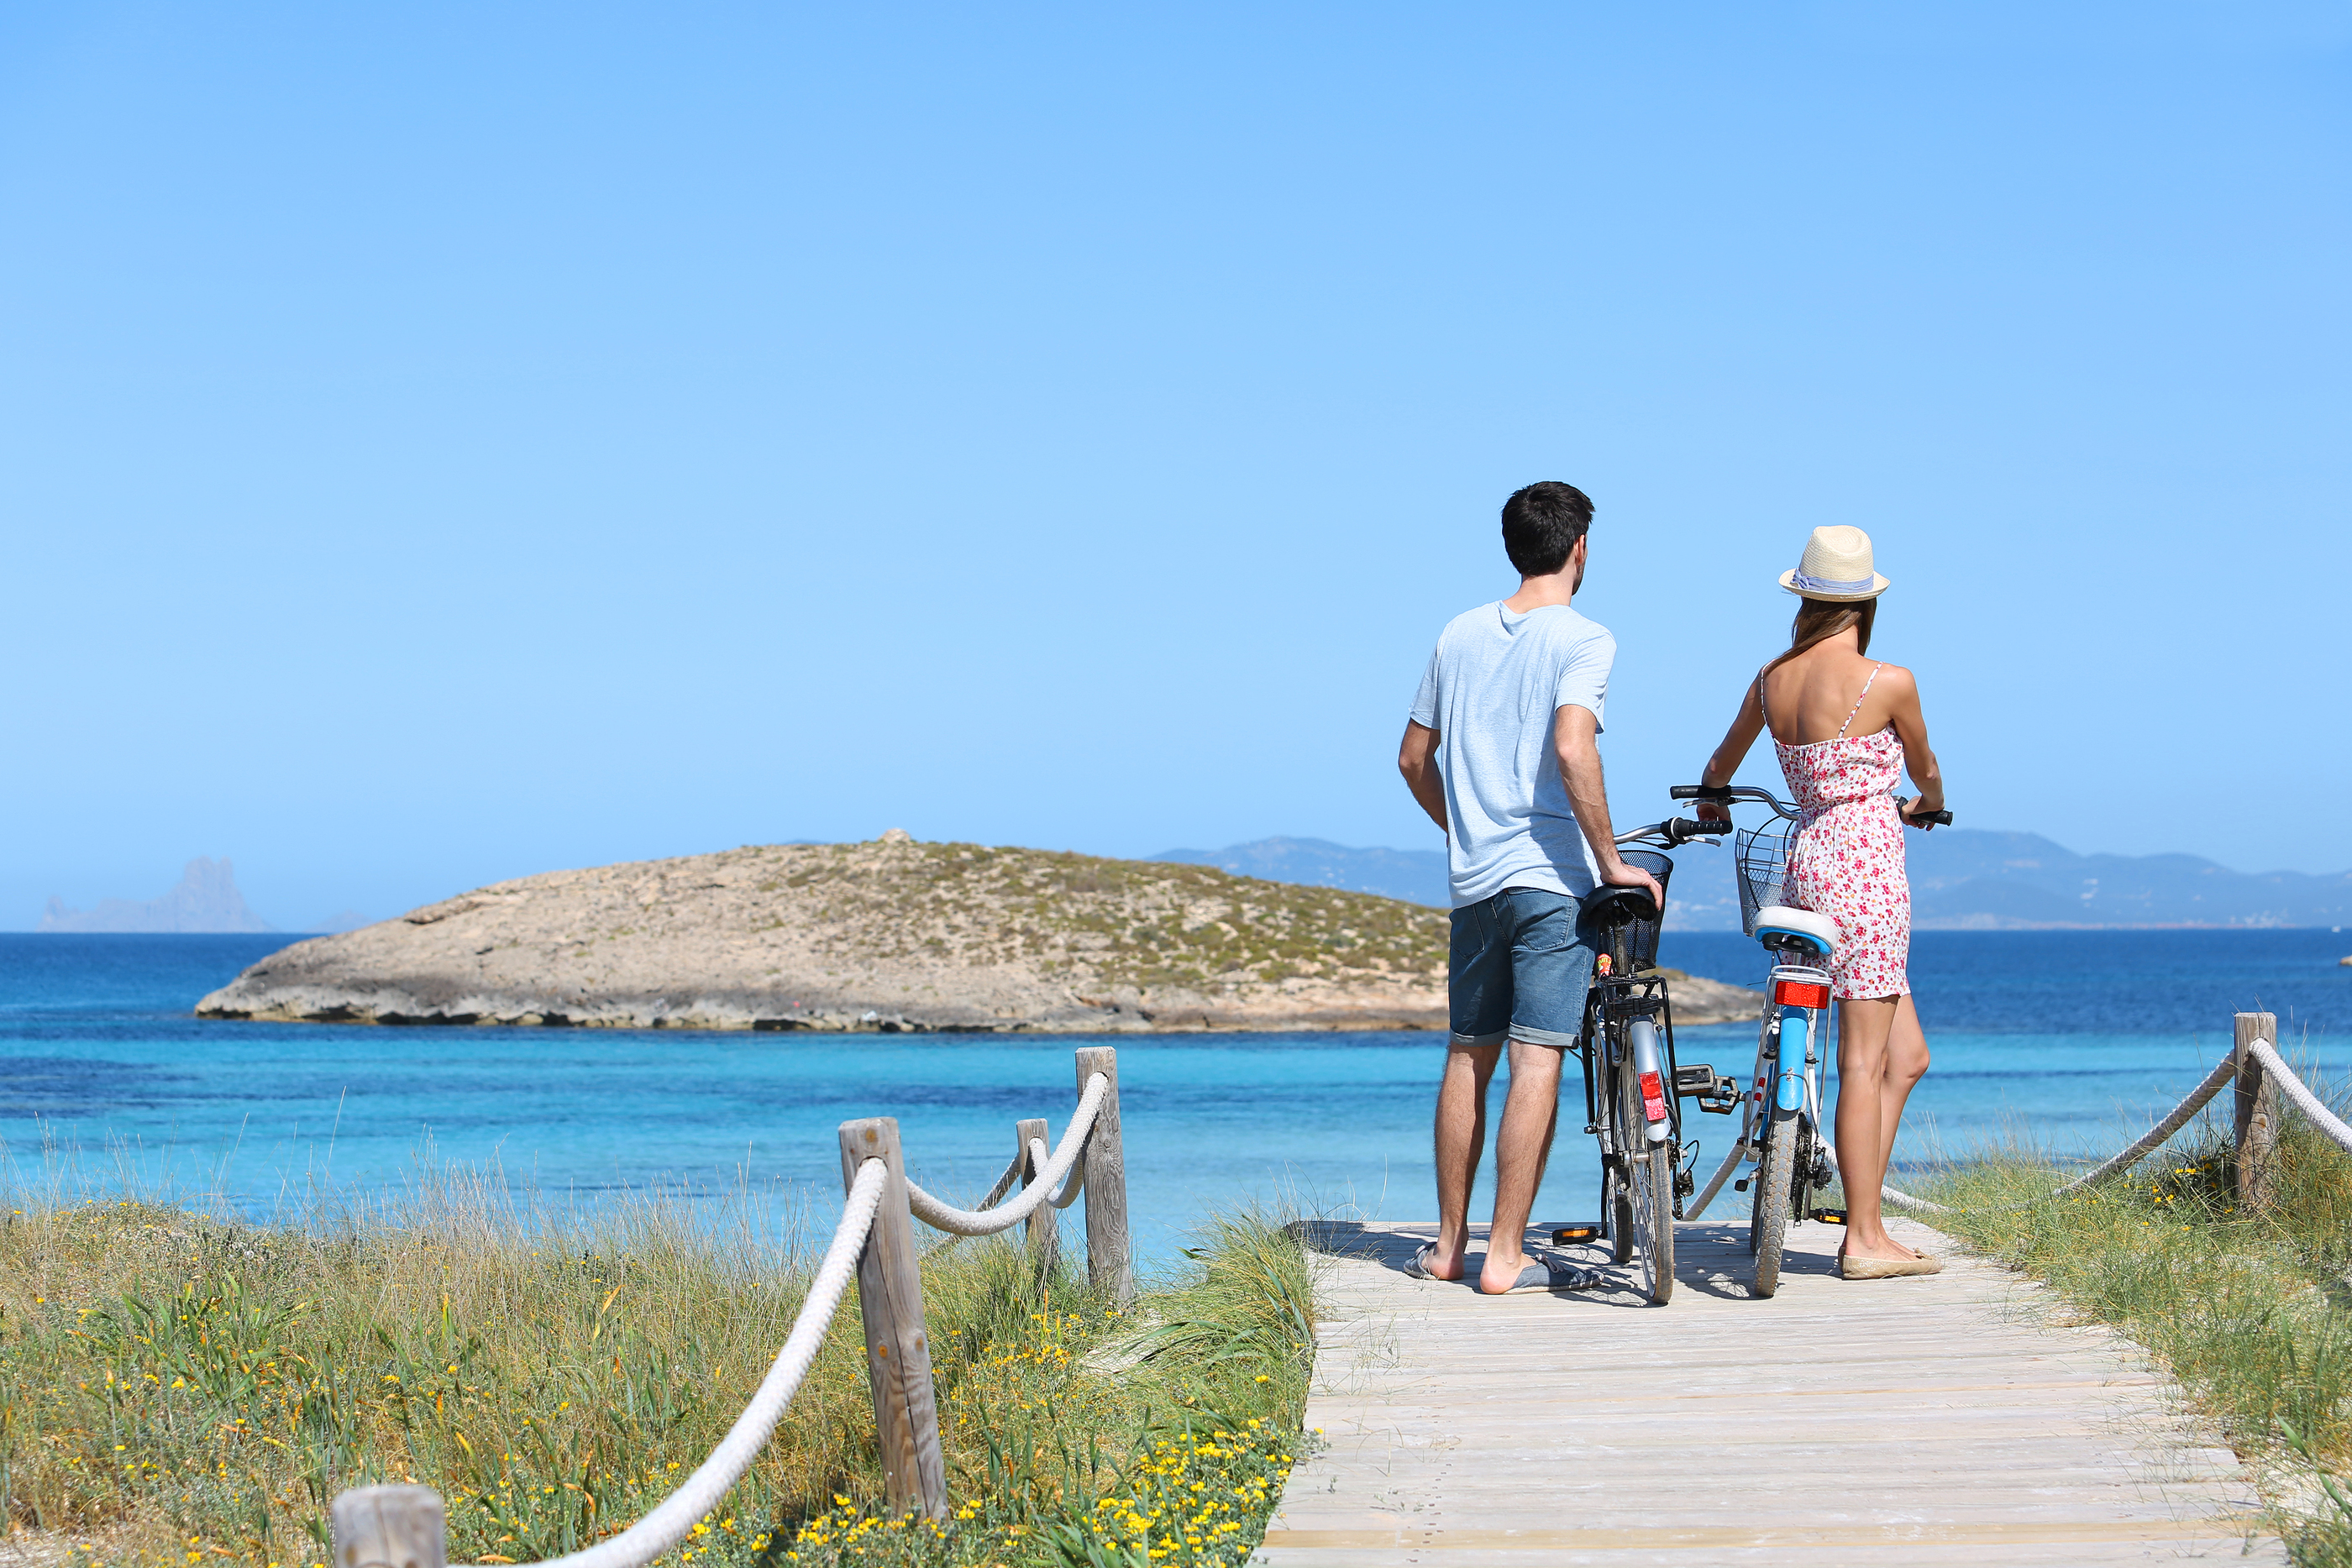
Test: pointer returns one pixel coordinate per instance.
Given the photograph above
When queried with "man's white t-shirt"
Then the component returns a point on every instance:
(1491, 691)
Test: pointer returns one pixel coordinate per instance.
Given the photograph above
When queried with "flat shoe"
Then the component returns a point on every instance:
(1550, 1274)
(1852, 1268)
(1418, 1268)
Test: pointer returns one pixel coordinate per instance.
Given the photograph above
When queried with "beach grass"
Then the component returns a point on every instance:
(2251, 1311)
(179, 1389)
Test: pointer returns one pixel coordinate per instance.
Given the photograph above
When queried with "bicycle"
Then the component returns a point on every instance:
(1784, 1136)
(1626, 1047)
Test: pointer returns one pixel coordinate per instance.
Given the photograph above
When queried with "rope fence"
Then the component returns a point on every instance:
(407, 1526)
(2253, 1064)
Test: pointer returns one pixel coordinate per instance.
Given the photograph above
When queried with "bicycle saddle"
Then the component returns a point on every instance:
(1805, 925)
(1610, 907)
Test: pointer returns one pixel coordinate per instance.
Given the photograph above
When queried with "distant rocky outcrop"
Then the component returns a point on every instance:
(890, 934)
(205, 900)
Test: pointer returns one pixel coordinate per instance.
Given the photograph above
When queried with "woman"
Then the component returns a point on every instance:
(1846, 725)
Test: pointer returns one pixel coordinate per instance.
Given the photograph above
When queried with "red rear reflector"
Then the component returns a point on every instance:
(1653, 1097)
(1799, 994)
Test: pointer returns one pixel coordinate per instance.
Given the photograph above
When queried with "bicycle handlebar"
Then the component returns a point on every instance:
(1725, 794)
(1673, 832)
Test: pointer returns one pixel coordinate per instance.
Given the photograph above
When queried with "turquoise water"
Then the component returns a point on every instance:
(2073, 1038)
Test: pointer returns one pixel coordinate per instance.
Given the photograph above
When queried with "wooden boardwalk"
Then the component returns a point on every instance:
(1913, 1421)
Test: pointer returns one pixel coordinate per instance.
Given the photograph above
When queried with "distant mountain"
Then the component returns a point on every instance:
(205, 900)
(1417, 876)
(1962, 879)
(1974, 879)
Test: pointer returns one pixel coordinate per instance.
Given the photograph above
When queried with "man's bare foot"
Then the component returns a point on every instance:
(1499, 1273)
(1430, 1264)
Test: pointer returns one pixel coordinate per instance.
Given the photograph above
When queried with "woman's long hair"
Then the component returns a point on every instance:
(1818, 620)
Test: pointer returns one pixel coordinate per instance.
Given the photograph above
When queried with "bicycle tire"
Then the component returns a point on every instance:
(1651, 1191)
(1767, 1224)
(1617, 1213)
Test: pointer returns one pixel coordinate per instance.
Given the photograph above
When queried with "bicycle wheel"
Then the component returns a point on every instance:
(1650, 1191)
(1767, 1224)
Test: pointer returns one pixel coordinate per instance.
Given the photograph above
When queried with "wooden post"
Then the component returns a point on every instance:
(1108, 1268)
(390, 1527)
(2258, 1115)
(1044, 1231)
(897, 1351)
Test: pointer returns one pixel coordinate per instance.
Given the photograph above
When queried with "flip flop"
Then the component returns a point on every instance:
(1418, 1268)
(1548, 1274)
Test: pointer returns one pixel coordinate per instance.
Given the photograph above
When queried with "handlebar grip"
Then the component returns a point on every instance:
(1699, 793)
(1941, 819)
(1682, 830)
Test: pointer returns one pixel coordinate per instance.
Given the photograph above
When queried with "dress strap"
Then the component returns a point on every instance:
(1759, 695)
(1857, 702)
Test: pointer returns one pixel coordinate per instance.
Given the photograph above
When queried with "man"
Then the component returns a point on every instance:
(1514, 693)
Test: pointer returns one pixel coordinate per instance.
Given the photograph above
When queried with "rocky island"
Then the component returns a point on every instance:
(888, 936)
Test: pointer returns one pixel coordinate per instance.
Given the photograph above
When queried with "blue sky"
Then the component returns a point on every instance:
(440, 444)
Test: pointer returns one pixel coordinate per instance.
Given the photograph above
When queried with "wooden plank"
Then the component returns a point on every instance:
(1108, 1266)
(1930, 1420)
(2258, 1114)
(898, 1350)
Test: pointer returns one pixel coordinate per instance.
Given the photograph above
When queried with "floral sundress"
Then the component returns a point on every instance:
(1847, 858)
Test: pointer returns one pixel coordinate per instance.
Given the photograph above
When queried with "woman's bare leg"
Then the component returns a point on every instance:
(1866, 1133)
(1906, 1063)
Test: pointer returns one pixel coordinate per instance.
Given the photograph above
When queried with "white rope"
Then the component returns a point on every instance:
(1730, 1163)
(2115, 1165)
(2224, 1073)
(1004, 1184)
(941, 1216)
(2309, 1104)
(703, 1490)
(1073, 1184)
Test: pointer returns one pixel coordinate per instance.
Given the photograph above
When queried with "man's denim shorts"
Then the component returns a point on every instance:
(1520, 967)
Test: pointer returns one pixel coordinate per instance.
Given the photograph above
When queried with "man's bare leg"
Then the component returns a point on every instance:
(1461, 1139)
(1520, 1147)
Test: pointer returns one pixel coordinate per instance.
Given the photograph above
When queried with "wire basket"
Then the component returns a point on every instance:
(1641, 936)
(1763, 856)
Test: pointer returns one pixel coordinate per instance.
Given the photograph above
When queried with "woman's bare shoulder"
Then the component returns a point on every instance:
(1896, 680)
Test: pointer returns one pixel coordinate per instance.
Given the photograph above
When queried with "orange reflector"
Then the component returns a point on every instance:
(1568, 1235)
(1653, 1097)
(1799, 994)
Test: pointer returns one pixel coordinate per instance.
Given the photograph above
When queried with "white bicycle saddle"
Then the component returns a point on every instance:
(1806, 924)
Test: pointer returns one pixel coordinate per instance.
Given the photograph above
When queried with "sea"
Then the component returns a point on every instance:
(2065, 1041)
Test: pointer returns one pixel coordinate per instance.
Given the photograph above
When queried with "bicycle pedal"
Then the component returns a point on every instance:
(1830, 1216)
(1741, 1184)
(1569, 1235)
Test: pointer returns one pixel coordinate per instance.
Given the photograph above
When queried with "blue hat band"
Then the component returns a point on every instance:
(1804, 584)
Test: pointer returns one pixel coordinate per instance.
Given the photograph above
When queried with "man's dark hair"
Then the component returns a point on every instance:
(1542, 523)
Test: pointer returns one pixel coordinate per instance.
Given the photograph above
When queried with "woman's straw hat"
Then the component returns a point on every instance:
(1836, 567)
